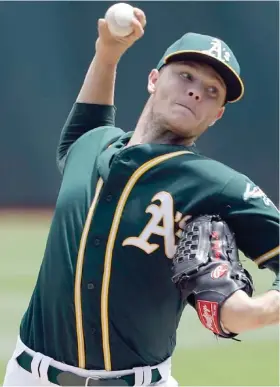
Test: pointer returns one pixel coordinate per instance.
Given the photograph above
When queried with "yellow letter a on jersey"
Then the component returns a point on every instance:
(160, 213)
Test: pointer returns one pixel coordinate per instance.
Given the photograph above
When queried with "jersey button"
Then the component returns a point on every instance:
(96, 242)
(90, 286)
(109, 198)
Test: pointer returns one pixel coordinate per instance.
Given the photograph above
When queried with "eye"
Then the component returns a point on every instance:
(186, 76)
(213, 91)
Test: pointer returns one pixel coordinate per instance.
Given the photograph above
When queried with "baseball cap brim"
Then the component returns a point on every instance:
(234, 84)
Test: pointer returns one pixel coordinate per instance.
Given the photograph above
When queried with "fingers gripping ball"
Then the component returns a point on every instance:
(119, 18)
(207, 269)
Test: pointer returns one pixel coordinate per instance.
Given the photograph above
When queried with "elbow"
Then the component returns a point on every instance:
(61, 153)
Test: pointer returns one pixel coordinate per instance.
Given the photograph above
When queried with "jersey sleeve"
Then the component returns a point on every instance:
(254, 218)
(82, 118)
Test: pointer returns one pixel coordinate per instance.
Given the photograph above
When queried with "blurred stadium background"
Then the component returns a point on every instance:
(45, 50)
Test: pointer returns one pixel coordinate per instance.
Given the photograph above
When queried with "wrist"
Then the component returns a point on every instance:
(109, 56)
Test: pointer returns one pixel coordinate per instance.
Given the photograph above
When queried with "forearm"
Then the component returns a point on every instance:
(99, 84)
(241, 313)
(268, 307)
(94, 105)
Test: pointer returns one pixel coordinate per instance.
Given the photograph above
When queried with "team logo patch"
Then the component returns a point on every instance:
(220, 271)
(208, 314)
(254, 192)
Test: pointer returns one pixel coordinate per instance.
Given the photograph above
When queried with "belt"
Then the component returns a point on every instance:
(67, 378)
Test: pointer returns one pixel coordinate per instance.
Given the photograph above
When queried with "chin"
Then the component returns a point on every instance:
(179, 127)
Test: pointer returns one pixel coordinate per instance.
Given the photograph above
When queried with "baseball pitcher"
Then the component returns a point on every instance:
(144, 225)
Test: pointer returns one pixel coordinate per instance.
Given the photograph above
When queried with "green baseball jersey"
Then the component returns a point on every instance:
(104, 298)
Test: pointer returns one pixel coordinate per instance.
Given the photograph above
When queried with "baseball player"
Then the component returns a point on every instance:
(110, 294)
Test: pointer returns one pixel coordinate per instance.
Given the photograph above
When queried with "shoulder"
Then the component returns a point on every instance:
(103, 133)
(213, 171)
(91, 144)
(231, 187)
(98, 138)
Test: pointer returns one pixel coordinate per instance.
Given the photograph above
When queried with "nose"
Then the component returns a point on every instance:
(195, 94)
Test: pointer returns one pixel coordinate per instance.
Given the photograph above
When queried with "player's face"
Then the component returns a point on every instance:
(187, 97)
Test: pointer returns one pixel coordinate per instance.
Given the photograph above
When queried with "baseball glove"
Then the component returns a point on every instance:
(207, 269)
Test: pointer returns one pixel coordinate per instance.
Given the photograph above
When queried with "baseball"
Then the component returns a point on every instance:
(119, 17)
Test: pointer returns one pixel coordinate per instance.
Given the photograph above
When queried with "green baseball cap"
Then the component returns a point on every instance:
(210, 50)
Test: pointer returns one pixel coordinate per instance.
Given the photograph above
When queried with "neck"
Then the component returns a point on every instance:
(152, 131)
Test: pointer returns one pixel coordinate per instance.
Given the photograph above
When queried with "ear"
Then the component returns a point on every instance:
(219, 115)
(152, 80)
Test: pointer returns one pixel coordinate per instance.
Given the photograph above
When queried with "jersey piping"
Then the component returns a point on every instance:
(110, 247)
(78, 279)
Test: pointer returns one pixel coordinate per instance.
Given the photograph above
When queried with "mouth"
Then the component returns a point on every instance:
(186, 107)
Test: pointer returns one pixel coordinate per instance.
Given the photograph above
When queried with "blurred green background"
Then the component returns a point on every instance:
(45, 55)
(46, 48)
(200, 359)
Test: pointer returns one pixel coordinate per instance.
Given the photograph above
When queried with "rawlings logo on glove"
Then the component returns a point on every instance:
(219, 271)
(208, 314)
(207, 269)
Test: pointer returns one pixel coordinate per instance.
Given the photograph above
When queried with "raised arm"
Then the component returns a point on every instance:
(94, 106)
(99, 84)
